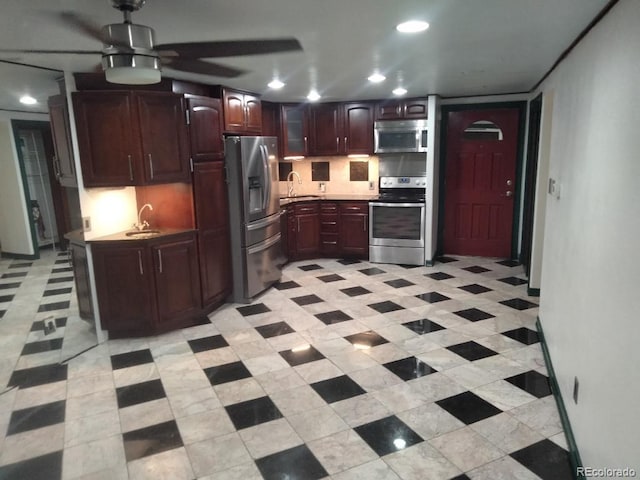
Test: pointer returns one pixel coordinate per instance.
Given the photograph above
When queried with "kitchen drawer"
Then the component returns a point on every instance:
(354, 207)
(326, 207)
(302, 208)
(329, 244)
(328, 223)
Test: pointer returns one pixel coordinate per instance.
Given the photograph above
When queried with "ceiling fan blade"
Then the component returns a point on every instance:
(230, 48)
(62, 52)
(198, 66)
(82, 24)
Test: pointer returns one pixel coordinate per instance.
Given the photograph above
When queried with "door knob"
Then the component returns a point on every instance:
(509, 193)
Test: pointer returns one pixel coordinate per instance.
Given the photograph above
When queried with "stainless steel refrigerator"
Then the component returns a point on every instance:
(254, 214)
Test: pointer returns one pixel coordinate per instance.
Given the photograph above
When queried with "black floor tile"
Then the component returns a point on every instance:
(21, 265)
(45, 467)
(388, 435)
(409, 368)
(476, 269)
(6, 286)
(253, 309)
(62, 270)
(57, 291)
(509, 263)
(297, 463)
(471, 351)
(432, 297)
(337, 388)
(61, 322)
(532, 382)
(130, 359)
(38, 325)
(355, 291)
(423, 326)
(298, 356)
(151, 440)
(312, 266)
(446, 259)
(386, 307)
(6, 298)
(439, 276)
(366, 339)
(473, 314)
(139, 393)
(461, 477)
(409, 267)
(336, 316)
(286, 285)
(207, 343)
(42, 346)
(2, 312)
(515, 281)
(307, 299)
(475, 288)
(399, 283)
(253, 412)
(371, 271)
(334, 277)
(348, 261)
(59, 280)
(468, 407)
(274, 329)
(546, 459)
(49, 307)
(32, 377)
(36, 417)
(60, 262)
(523, 335)
(229, 372)
(14, 275)
(519, 304)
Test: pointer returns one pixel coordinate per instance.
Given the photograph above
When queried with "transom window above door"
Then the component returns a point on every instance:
(482, 130)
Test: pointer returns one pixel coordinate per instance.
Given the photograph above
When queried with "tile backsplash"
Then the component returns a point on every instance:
(339, 176)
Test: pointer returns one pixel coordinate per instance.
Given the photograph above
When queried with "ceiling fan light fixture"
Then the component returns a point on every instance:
(412, 26)
(131, 69)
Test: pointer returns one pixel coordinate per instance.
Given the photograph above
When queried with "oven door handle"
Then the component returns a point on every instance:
(380, 204)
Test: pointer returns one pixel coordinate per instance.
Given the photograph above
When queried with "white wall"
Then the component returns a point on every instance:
(590, 299)
(15, 229)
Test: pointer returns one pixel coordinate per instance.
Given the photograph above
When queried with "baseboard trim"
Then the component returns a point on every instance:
(574, 454)
(533, 292)
(18, 256)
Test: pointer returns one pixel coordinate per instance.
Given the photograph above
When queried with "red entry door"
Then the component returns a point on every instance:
(480, 182)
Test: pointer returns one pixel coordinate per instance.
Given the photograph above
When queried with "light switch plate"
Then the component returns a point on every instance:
(86, 224)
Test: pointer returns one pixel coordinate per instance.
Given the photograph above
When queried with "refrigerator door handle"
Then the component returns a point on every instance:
(265, 222)
(264, 245)
(267, 178)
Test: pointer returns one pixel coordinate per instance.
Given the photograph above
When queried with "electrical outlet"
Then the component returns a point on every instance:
(576, 386)
(372, 185)
(86, 224)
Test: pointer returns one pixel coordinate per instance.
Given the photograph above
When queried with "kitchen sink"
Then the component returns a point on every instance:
(142, 233)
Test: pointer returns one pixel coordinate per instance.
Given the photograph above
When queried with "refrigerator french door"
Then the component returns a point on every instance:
(254, 214)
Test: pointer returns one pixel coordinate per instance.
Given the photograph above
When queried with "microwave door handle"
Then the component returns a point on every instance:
(267, 180)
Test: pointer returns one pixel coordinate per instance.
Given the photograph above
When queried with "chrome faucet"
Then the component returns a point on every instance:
(290, 179)
(142, 225)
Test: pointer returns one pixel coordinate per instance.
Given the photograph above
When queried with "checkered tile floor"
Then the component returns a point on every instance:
(345, 370)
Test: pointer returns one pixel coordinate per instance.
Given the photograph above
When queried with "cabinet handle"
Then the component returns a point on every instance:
(298, 223)
(306, 149)
(337, 143)
(150, 165)
(56, 168)
(345, 143)
(188, 115)
(140, 262)
(130, 168)
(364, 223)
(160, 260)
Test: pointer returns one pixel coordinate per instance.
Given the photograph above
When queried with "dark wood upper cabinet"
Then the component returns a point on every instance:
(341, 129)
(131, 138)
(205, 128)
(295, 129)
(270, 119)
(63, 163)
(358, 128)
(411, 108)
(242, 112)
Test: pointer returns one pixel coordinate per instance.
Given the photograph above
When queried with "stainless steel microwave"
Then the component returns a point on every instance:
(399, 136)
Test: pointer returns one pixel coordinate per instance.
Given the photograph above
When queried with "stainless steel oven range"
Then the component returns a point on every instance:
(397, 221)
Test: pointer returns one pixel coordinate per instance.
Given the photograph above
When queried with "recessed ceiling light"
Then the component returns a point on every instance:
(398, 92)
(377, 78)
(276, 84)
(28, 100)
(313, 96)
(412, 26)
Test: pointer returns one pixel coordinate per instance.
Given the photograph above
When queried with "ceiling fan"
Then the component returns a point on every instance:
(130, 55)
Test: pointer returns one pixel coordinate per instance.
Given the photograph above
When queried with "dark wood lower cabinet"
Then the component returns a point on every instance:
(147, 286)
(80, 266)
(354, 229)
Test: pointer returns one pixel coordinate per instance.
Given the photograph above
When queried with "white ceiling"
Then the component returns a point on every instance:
(473, 47)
